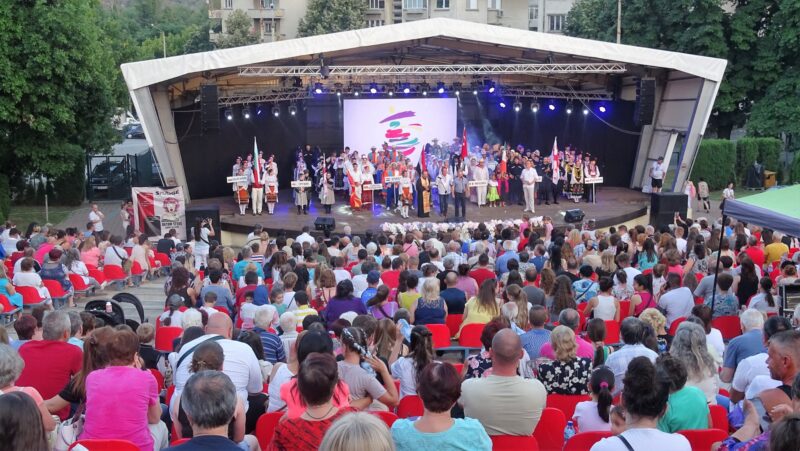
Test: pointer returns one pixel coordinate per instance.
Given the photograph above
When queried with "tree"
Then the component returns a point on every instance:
(330, 16)
(238, 31)
(57, 95)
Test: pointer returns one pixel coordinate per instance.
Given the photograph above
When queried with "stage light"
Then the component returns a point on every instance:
(390, 91)
(373, 88)
(551, 107)
(569, 110)
(502, 104)
(406, 90)
(585, 112)
(457, 88)
(276, 111)
(293, 109)
(246, 112)
(441, 88)
(338, 93)
(356, 94)
(338, 89)
(423, 88)
(491, 88)
(474, 92)
(602, 109)
(534, 107)
(517, 106)
(228, 114)
(318, 88)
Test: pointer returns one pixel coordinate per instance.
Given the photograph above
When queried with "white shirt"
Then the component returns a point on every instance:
(645, 438)
(619, 360)
(443, 183)
(403, 370)
(341, 274)
(631, 273)
(588, 418)
(114, 255)
(10, 245)
(605, 308)
(714, 338)
(677, 303)
(529, 176)
(759, 384)
(359, 284)
(657, 171)
(748, 369)
(97, 220)
(680, 243)
(305, 238)
(27, 279)
(175, 320)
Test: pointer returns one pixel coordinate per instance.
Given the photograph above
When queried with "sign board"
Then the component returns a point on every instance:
(477, 183)
(394, 179)
(156, 210)
(593, 180)
(301, 184)
(373, 186)
(237, 179)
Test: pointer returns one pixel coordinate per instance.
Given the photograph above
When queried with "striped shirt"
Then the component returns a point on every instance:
(273, 346)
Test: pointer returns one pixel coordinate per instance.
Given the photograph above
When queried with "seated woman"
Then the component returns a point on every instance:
(594, 415)
(364, 386)
(689, 347)
(74, 265)
(317, 380)
(28, 278)
(480, 365)
(7, 289)
(21, 423)
(380, 306)
(439, 389)
(429, 308)
(53, 269)
(687, 407)
(420, 353)
(604, 306)
(11, 365)
(138, 419)
(344, 301)
(90, 253)
(568, 374)
(655, 319)
(358, 432)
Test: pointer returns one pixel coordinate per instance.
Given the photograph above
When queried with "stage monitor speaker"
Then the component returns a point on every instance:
(209, 109)
(645, 101)
(574, 215)
(663, 207)
(324, 224)
(202, 212)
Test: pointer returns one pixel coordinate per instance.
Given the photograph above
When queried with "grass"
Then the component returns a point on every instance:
(24, 215)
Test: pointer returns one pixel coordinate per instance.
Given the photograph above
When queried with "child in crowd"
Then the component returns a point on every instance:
(618, 421)
(303, 309)
(248, 312)
(596, 331)
(173, 316)
(594, 415)
(209, 301)
(658, 279)
(276, 297)
(725, 302)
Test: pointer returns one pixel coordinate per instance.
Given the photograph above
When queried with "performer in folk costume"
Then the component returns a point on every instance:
(326, 195)
(424, 191)
(271, 164)
(338, 178)
(257, 181)
(271, 190)
(592, 171)
(235, 171)
(366, 179)
(576, 183)
(492, 197)
(354, 179)
(481, 174)
(585, 165)
(502, 177)
(240, 195)
(406, 194)
(301, 195)
(391, 188)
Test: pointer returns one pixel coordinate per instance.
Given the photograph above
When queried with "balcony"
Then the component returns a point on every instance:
(253, 13)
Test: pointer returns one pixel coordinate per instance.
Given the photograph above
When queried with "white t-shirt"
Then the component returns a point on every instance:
(680, 243)
(649, 439)
(631, 273)
(403, 370)
(748, 369)
(282, 376)
(759, 384)
(588, 418)
(341, 274)
(114, 255)
(714, 338)
(27, 279)
(175, 321)
(677, 303)
(201, 246)
(528, 176)
(657, 171)
(98, 226)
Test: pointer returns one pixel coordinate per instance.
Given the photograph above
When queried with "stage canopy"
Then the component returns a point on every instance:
(776, 209)
(523, 64)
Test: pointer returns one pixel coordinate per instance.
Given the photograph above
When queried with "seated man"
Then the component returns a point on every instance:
(752, 374)
(631, 331)
(746, 345)
(504, 403)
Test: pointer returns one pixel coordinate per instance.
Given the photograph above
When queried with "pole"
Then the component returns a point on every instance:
(272, 22)
(716, 270)
(619, 21)
(164, 43)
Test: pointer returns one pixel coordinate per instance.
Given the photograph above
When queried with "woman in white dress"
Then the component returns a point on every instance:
(271, 189)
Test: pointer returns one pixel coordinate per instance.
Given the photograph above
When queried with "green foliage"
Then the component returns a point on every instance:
(779, 110)
(70, 188)
(765, 150)
(715, 163)
(746, 154)
(238, 31)
(794, 171)
(769, 153)
(331, 16)
(5, 197)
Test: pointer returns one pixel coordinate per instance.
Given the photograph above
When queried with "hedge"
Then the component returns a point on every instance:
(746, 154)
(715, 163)
(70, 188)
(5, 198)
(794, 171)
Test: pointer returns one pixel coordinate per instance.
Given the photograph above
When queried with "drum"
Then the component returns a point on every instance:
(242, 197)
(272, 195)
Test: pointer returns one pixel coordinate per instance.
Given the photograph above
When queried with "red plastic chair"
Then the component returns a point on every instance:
(453, 323)
(55, 289)
(97, 275)
(514, 443)
(724, 393)
(719, 418)
(159, 378)
(673, 328)
(136, 269)
(114, 273)
(612, 331)
(459, 367)
(225, 310)
(265, 428)
(471, 335)
(624, 309)
(180, 441)
(410, 406)
(165, 335)
(78, 284)
(565, 403)
(30, 295)
(549, 431)
(7, 307)
(729, 326)
(388, 417)
(105, 445)
(170, 392)
(704, 438)
(585, 440)
(440, 334)
(163, 259)
(699, 276)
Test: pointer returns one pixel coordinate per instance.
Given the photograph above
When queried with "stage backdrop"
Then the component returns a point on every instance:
(408, 124)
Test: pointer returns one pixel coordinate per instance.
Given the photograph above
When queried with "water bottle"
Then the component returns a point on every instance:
(569, 431)
(109, 310)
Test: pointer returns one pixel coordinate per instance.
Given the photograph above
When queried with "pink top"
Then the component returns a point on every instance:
(295, 406)
(91, 257)
(677, 269)
(117, 400)
(43, 250)
(585, 349)
(647, 302)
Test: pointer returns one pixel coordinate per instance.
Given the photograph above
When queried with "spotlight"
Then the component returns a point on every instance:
(338, 91)
(517, 106)
(356, 94)
(585, 112)
(355, 88)
(276, 111)
(441, 88)
(228, 114)
(406, 88)
(293, 109)
(259, 110)
(373, 88)
(491, 88)
(457, 88)
(502, 104)
(391, 91)
(569, 110)
(423, 88)
(318, 88)
(551, 107)
(474, 92)
(534, 107)
(246, 112)
(602, 109)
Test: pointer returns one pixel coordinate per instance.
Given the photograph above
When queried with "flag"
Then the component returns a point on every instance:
(554, 160)
(464, 145)
(256, 164)
(423, 166)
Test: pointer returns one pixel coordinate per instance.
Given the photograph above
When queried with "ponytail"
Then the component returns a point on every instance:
(766, 285)
(599, 356)
(604, 400)
(168, 320)
(602, 382)
(421, 346)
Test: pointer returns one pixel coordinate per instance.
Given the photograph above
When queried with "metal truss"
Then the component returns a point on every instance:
(552, 93)
(453, 69)
(272, 96)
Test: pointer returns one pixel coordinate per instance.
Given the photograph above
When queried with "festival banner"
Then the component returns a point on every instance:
(157, 210)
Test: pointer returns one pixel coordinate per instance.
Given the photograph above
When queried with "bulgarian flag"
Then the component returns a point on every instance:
(464, 144)
(256, 165)
(554, 160)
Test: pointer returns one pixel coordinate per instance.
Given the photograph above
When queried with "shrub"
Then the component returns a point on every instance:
(794, 172)
(746, 152)
(769, 153)
(715, 163)
(70, 187)
(5, 198)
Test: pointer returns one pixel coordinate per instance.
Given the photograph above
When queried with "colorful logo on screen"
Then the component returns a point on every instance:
(403, 131)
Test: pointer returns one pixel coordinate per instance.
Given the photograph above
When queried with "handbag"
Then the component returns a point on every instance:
(68, 431)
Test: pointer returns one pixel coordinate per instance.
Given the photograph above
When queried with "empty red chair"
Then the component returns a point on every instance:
(454, 322)
(114, 273)
(440, 334)
(265, 428)
(129, 250)
(470, 336)
(514, 443)
(78, 284)
(30, 295)
(699, 276)
(624, 309)
(410, 406)
(719, 417)
(459, 367)
(585, 440)
(612, 331)
(549, 431)
(565, 403)
(159, 378)
(106, 445)
(704, 438)
(673, 328)
(56, 290)
(97, 275)
(136, 269)
(729, 326)
(163, 259)
(388, 417)
(165, 335)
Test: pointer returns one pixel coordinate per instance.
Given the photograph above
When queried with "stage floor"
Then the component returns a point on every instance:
(614, 206)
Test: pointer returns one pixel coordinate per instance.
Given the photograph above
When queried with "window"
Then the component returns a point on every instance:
(228, 4)
(268, 4)
(495, 4)
(556, 21)
(472, 4)
(375, 23)
(533, 13)
(377, 4)
(415, 4)
(442, 4)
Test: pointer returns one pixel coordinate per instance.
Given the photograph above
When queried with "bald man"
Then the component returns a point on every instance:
(240, 364)
(504, 402)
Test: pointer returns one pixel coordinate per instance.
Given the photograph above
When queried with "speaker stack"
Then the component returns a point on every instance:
(209, 109)
(645, 101)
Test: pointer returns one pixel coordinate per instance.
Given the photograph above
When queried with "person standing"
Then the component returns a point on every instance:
(124, 215)
(326, 193)
(702, 195)
(444, 183)
(529, 176)
(96, 217)
(545, 170)
(424, 194)
(301, 195)
(515, 181)
(406, 194)
(272, 189)
(240, 191)
(657, 172)
(481, 174)
(257, 191)
(460, 194)
(727, 194)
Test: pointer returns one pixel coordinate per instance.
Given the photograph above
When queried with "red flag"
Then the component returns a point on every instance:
(464, 145)
(423, 167)
(256, 164)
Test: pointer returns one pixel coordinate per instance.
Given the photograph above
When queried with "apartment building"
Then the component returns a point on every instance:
(548, 16)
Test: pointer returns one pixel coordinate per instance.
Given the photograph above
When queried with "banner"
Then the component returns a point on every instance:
(157, 210)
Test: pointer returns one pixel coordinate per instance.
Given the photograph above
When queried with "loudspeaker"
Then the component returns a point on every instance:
(202, 212)
(323, 223)
(574, 215)
(645, 101)
(209, 108)
(663, 207)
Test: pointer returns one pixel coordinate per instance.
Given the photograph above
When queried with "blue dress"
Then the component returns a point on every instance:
(15, 299)
(429, 312)
(465, 434)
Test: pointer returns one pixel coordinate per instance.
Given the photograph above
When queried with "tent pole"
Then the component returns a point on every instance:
(716, 270)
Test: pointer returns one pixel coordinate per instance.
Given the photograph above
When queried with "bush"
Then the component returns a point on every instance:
(715, 163)
(70, 188)
(794, 171)
(746, 153)
(5, 198)
(769, 153)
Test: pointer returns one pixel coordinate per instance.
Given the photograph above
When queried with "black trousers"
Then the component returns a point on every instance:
(461, 202)
(515, 190)
(443, 201)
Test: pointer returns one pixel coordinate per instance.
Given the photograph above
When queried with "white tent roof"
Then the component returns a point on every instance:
(145, 73)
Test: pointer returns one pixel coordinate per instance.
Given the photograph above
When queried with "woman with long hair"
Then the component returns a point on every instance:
(556, 261)
(689, 346)
(387, 342)
(201, 232)
(604, 306)
(608, 266)
(364, 387)
(561, 297)
(181, 285)
(596, 332)
(420, 353)
(697, 263)
(430, 307)
(515, 294)
(407, 290)
(11, 366)
(380, 306)
(648, 256)
(764, 301)
(547, 278)
(482, 307)
(594, 415)
(21, 423)
(326, 287)
(745, 284)
(89, 252)
(74, 265)
(643, 297)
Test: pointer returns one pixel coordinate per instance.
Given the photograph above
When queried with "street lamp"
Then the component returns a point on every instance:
(272, 21)
(163, 38)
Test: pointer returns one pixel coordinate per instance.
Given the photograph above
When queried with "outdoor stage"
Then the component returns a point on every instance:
(614, 206)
